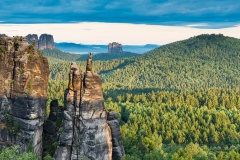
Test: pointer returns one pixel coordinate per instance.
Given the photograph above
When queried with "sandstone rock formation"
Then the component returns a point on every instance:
(115, 47)
(86, 132)
(117, 146)
(24, 76)
(46, 41)
(33, 38)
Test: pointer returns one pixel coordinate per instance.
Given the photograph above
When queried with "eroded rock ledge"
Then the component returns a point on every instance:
(89, 131)
(24, 74)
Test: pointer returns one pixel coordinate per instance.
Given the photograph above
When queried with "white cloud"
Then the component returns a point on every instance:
(197, 25)
(103, 33)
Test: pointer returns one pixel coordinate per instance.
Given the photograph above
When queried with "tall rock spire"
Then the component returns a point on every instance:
(86, 130)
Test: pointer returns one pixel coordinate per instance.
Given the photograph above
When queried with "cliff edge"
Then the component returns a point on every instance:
(24, 75)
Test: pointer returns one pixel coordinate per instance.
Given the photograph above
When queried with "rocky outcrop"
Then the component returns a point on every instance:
(23, 92)
(46, 41)
(86, 131)
(117, 145)
(33, 38)
(115, 47)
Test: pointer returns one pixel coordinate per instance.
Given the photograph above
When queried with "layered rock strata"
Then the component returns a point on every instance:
(23, 91)
(86, 133)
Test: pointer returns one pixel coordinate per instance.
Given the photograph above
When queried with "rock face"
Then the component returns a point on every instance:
(117, 145)
(46, 41)
(23, 91)
(115, 47)
(33, 38)
(86, 133)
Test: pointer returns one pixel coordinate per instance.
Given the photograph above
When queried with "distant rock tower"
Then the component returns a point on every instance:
(46, 41)
(33, 38)
(115, 47)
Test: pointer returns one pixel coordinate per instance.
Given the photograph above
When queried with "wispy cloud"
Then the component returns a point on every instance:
(103, 33)
(164, 12)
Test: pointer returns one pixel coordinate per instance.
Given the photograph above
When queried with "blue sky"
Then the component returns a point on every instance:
(211, 13)
(124, 21)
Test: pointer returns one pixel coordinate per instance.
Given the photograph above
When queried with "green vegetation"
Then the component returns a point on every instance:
(3, 35)
(13, 153)
(2, 48)
(179, 101)
(21, 70)
(58, 54)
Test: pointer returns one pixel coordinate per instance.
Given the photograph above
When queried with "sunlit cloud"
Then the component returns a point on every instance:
(125, 33)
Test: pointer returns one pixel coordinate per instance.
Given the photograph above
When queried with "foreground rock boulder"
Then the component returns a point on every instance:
(24, 75)
(86, 131)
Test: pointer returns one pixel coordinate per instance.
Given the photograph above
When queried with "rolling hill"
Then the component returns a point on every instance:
(65, 56)
(203, 61)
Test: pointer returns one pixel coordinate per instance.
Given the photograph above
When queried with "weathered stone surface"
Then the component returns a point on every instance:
(63, 153)
(65, 138)
(46, 41)
(115, 47)
(118, 149)
(33, 38)
(23, 91)
(89, 63)
(85, 127)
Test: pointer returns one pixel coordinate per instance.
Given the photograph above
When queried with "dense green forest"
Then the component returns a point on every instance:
(179, 101)
(204, 61)
(58, 54)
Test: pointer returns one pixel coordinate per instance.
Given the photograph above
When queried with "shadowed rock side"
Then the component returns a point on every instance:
(86, 133)
(23, 91)
(33, 38)
(117, 145)
(46, 41)
(51, 127)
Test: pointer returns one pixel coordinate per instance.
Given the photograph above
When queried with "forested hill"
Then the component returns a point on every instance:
(203, 61)
(179, 101)
(58, 54)
(203, 46)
